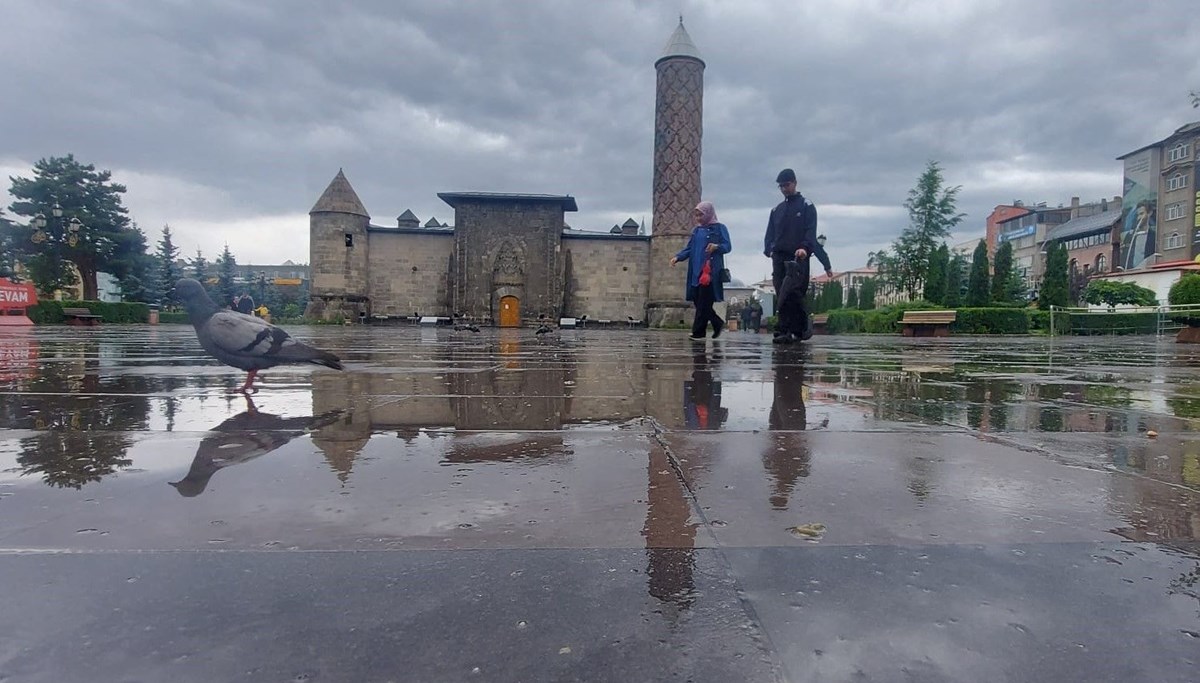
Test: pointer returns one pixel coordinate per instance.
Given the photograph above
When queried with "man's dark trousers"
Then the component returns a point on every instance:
(792, 319)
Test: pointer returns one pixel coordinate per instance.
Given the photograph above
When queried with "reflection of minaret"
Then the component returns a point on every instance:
(342, 440)
(678, 128)
(670, 537)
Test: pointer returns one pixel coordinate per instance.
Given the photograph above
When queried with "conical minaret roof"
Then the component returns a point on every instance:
(339, 197)
(680, 45)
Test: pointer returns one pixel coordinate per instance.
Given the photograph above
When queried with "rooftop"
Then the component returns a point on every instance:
(1084, 225)
(454, 199)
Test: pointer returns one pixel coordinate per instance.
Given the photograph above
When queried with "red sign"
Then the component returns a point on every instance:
(13, 296)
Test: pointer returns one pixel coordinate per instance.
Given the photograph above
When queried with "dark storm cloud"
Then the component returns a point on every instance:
(224, 116)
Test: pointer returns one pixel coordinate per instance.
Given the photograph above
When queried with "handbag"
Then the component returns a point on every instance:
(725, 277)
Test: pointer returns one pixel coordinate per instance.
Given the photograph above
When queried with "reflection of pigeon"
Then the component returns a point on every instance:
(543, 329)
(468, 328)
(244, 341)
(240, 439)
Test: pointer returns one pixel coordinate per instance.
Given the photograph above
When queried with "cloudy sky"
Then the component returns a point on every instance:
(226, 119)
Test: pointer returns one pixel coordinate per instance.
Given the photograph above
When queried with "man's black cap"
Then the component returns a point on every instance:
(787, 175)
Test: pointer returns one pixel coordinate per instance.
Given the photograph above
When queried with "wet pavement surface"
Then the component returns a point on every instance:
(599, 505)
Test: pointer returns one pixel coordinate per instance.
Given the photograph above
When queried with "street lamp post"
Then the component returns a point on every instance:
(71, 227)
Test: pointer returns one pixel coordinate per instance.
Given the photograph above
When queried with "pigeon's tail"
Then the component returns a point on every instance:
(327, 359)
(303, 353)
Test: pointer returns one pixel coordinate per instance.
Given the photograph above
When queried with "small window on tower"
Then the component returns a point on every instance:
(349, 240)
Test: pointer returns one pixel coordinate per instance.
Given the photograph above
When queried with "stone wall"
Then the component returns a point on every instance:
(410, 272)
(338, 270)
(608, 276)
(507, 249)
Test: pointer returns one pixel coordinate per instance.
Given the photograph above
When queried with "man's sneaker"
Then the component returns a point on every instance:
(780, 338)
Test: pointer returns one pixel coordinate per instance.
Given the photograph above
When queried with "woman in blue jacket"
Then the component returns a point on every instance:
(705, 254)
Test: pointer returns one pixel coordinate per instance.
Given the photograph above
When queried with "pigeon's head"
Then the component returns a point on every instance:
(191, 293)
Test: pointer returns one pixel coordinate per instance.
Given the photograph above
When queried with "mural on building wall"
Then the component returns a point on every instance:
(1196, 217)
(1139, 214)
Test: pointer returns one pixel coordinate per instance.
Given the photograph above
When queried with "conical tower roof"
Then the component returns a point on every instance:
(680, 45)
(339, 197)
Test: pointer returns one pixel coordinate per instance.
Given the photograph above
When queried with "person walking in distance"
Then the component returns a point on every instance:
(705, 254)
(792, 236)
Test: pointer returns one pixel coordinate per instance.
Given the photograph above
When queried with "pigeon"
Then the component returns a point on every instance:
(543, 329)
(244, 341)
(468, 328)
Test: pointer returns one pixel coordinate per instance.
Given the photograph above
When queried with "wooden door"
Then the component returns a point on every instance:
(510, 312)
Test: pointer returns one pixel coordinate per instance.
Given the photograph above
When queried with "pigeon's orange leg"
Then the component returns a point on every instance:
(248, 387)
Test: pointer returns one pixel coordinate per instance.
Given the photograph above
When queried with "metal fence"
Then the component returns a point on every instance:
(1167, 319)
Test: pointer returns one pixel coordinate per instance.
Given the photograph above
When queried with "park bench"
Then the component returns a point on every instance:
(819, 322)
(80, 316)
(926, 323)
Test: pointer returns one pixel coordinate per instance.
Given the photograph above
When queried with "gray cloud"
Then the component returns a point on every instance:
(227, 119)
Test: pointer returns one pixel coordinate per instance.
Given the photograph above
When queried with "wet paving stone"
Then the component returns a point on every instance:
(599, 505)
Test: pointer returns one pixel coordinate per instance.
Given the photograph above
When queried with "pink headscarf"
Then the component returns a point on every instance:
(708, 213)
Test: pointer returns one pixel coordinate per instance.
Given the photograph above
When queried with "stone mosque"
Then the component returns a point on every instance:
(510, 259)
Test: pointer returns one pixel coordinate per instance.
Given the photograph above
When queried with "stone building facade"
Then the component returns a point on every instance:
(511, 259)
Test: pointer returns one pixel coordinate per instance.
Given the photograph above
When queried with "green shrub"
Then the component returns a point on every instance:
(172, 318)
(992, 320)
(50, 312)
(1186, 292)
(46, 312)
(845, 321)
(883, 320)
(771, 322)
(1113, 323)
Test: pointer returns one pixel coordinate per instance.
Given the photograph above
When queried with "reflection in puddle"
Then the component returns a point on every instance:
(240, 439)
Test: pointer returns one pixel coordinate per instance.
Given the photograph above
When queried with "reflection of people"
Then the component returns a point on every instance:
(791, 237)
(702, 396)
(705, 254)
(1138, 239)
(787, 464)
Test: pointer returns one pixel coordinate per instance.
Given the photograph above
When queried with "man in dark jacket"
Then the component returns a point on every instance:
(792, 236)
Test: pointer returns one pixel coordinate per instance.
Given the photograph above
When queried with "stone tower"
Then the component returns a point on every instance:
(338, 250)
(678, 128)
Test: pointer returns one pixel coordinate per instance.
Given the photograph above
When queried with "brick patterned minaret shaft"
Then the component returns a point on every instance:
(678, 129)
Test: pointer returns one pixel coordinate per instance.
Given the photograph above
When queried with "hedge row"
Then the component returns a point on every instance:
(51, 312)
(996, 320)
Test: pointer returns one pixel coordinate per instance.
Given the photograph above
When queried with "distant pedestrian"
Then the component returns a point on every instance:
(245, 304)
(705, 254)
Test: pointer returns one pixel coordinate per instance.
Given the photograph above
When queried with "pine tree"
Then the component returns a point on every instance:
(852, 298)
(169, 272)
(226, 271)
(833, 295)
(954, 282)
(1002, 273)
(978, 293)
(935, 275)
(1055, 285)
(866, 296)
(199, 268)
(932, 213)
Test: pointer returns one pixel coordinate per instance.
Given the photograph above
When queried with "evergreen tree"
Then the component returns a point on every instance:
(226, 271)
(1002, 273)
(932, 213)
(103, 238)
(8, 239)
(169, 272)
(935, 275)
(866, 296)
(1055, 285)
(833, 292)
(954, 282)
(978, 292)
(852, 298)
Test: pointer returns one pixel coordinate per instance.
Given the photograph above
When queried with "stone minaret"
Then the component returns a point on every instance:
(678, 127)
(337, 247)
